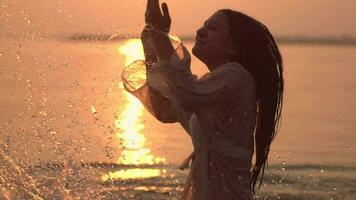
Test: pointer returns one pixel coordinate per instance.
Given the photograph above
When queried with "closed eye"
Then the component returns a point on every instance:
(214, 26)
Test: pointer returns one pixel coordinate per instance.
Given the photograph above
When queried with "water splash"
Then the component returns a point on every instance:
(14, 178)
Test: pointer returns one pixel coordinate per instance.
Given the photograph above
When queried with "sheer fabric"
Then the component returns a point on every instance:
(218, 110)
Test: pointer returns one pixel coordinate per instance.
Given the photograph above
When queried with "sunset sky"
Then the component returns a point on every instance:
(292, 17)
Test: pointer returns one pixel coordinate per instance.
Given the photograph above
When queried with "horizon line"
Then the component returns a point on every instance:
(284, 39)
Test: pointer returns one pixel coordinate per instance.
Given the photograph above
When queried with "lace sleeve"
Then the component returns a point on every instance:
(134, 79)
(152, 91)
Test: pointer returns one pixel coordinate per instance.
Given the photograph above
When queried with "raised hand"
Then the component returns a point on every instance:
(148, 47)
(155, 17)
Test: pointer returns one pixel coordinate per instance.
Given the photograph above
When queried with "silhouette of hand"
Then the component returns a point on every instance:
(154, 16)
(148, 47)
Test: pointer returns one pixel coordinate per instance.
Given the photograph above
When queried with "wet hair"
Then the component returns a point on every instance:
(258, 52)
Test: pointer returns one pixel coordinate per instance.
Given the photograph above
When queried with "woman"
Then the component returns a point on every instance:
(229, 111)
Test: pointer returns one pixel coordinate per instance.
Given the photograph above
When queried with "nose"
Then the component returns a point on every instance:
(201, 32)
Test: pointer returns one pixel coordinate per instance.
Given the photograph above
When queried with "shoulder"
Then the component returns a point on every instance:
(234, 69)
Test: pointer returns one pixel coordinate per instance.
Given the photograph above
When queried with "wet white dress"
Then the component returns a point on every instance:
(218, 111)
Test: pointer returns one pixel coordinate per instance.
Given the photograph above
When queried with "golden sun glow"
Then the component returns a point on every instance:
(129, 130)
(132, 50)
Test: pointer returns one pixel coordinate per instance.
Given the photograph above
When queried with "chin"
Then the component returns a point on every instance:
(197, 52)
(194, 50)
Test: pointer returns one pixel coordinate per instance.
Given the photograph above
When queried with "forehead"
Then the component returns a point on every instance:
(218, 17)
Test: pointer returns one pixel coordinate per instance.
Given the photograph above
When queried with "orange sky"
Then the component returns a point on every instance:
(292, 17)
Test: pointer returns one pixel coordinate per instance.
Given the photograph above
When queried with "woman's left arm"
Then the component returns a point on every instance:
(190, 93)
(216, 87)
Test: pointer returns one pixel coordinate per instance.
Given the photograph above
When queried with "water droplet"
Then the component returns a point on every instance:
(281, 180)
(283, 169)
(42, 113)
(18, 58)
(284, 162)
(93, 110)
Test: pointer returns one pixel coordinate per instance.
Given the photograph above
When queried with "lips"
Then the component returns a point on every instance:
(200, 41)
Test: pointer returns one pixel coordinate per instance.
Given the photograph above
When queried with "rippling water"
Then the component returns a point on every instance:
(82, 181)
(68, 130)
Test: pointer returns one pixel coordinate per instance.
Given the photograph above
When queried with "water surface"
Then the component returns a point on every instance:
(67, 123)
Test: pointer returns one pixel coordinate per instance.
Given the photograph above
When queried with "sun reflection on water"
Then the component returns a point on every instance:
(129, 130)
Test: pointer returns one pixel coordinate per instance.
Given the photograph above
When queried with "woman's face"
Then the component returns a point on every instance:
(212, 45)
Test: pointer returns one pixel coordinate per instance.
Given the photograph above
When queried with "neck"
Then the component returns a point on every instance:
(213, 64)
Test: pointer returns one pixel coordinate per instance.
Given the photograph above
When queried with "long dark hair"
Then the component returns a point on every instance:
(258, 52)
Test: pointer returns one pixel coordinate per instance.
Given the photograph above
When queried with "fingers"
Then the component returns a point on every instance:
(148, 5)
(166, 12)
(154, 6)
(157, 17)
(148, 19)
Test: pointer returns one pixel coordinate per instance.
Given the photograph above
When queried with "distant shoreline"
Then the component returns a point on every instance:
(336, 40)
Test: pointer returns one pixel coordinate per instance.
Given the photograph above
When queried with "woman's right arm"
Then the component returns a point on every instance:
(161, 107)
(155, 103)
